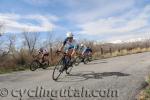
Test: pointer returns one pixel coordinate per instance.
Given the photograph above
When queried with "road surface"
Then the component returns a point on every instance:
(118, 78)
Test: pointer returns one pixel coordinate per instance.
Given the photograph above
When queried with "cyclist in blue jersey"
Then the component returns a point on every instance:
(85, 50)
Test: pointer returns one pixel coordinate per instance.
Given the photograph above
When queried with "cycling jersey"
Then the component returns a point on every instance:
(89, 49)
(85, 50)
(43, 51)
(69, 45)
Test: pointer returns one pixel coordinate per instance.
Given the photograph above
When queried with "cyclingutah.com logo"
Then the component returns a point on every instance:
(3, 92)
(70, 92)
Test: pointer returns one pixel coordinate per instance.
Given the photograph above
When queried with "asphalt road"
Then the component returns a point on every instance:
(119, 78)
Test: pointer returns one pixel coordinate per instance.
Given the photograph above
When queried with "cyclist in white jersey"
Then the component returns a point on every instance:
(69, 45)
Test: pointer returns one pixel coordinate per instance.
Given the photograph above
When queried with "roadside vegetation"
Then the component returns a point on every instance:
(145, 94)
(108, 50)
(13, 58)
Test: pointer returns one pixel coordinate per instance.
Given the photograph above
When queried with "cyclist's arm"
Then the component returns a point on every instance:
(91, 50)
(61, 48)
(83, 51)
(63, 45)
(74, 49)
(73, 53)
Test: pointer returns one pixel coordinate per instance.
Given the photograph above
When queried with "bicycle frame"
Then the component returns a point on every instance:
(65, 55)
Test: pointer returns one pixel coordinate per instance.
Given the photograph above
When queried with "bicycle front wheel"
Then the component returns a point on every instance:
(34, 65)
(85, 61)
(57, 70)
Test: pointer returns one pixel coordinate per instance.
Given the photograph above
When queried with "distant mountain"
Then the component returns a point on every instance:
(128, 41)
(122, 41)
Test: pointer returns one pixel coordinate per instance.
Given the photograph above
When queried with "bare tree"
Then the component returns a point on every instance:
(7, 46)
(1, 32)
(50, 40)
(31, 40)
(10, 44)
(1, 29)
(1, 41)
(48, 43)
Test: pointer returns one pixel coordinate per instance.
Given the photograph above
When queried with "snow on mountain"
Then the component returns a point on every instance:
(128, 41)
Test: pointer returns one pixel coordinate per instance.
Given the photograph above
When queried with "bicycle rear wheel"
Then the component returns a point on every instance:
(69, 69)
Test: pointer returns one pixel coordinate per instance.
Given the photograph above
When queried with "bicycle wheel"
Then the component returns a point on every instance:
(85, 61)
(57, 70)
(34, 65)
(77, 61)
(90, 58)
(69, 69)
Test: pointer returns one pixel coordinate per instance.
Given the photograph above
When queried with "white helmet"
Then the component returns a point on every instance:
(69, 34)
(82, 45)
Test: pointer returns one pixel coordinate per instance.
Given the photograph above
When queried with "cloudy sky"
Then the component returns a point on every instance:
(102, 20)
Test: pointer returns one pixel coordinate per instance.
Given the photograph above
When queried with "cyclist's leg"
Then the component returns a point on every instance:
(69, 52)
(64, 65)
(69, 56)
(39, 57)
(65, 59)
(85, 54)
(89, 52)
(45, 57)
(42, 59)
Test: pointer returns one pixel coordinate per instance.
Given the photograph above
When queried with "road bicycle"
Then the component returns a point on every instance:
(64, 64)
(36, 63)
(80, 58)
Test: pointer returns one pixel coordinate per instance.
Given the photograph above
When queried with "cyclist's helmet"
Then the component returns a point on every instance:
(69, 34)
(41, 50)
(82, 45)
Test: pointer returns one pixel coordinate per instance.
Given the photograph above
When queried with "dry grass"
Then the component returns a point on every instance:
(145, 94)
(123, 52)
(101, 51)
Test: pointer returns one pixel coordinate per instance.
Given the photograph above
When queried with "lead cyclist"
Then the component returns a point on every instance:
(69, 46)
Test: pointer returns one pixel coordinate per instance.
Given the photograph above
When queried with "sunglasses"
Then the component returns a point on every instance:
(70, 38)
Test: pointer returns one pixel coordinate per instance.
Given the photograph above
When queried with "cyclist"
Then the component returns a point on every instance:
(90, 51)
(85, 51)
(69, 46)
(43, 53)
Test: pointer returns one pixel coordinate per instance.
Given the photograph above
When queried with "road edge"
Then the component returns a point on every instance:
(142, 94)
